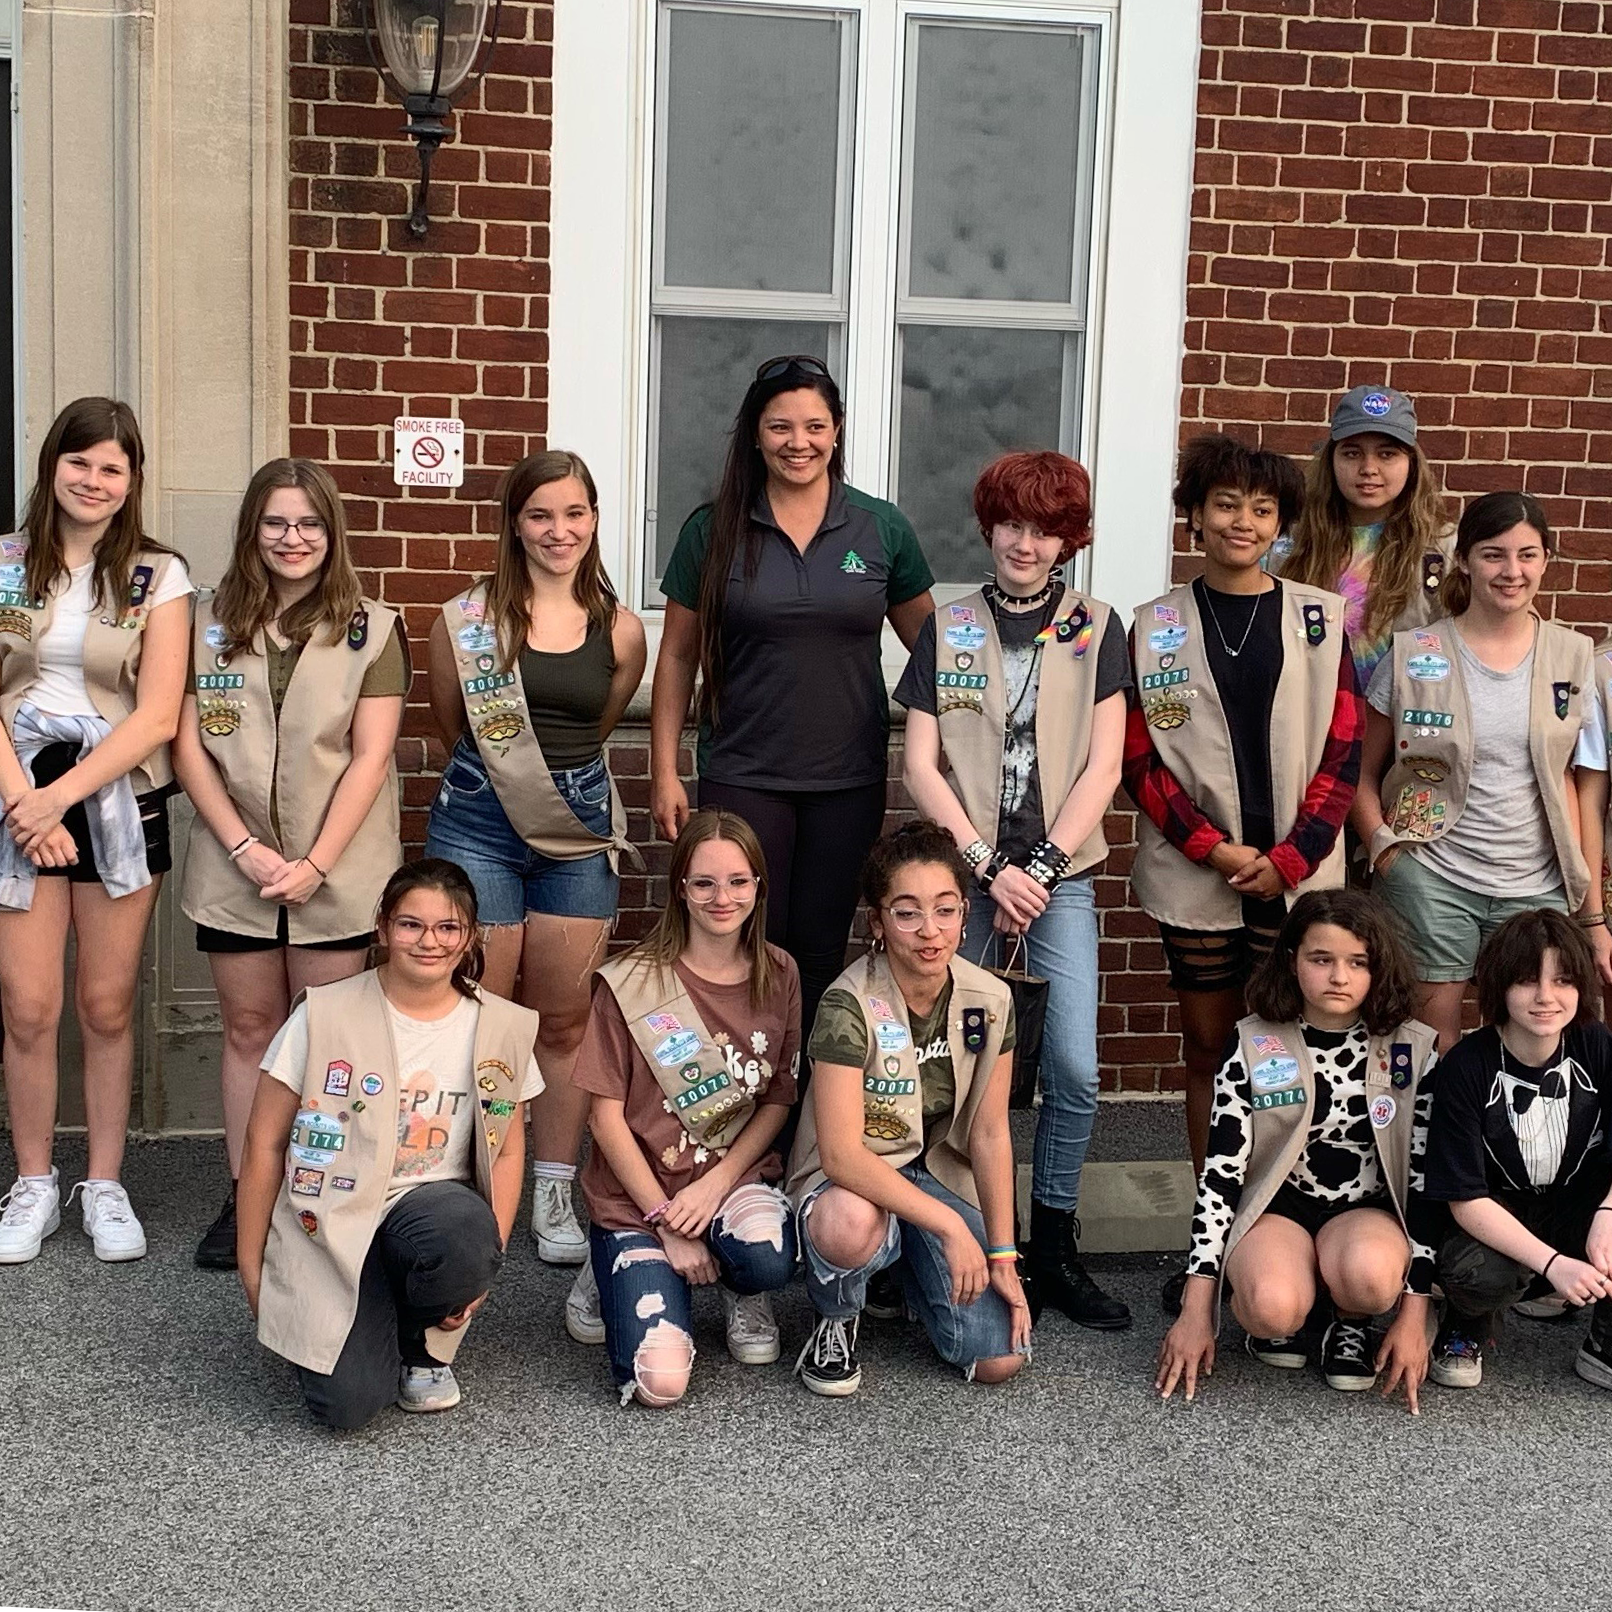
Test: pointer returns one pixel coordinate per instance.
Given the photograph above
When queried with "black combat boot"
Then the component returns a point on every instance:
(1055, 1277)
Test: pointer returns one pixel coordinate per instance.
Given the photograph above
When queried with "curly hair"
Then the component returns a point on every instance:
(1216, 460)
(1273, 991)
(1050, 490)
(1515, 954)
(922, 840)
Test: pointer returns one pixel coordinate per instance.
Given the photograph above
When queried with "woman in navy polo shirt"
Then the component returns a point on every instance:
(776, 596)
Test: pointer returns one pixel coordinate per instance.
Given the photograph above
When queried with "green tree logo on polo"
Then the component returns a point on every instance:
(853, 565)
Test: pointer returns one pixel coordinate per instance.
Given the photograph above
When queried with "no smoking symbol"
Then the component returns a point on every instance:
(427, 453)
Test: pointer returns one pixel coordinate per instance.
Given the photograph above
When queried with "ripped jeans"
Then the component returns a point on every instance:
(640, 1294)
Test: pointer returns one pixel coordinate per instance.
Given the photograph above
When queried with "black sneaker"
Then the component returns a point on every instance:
(1346, 1359)
(828, 1364)
(1457, 1360)
(1172, 1293)
(1287, 1354)
(216, 1250)
(1594, 1362)
(886, 1301)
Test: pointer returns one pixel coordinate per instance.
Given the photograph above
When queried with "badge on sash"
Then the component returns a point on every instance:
(1560, 692)
(139, 586)
(1383, 1110)
(1315, 625)
(1432, 572)
(358, 629)
(974, 1028)
(1399, 1063)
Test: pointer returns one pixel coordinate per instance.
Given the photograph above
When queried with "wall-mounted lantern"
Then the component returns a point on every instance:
(430, 49)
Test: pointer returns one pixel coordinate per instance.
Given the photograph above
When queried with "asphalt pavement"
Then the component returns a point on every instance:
(156, 1457)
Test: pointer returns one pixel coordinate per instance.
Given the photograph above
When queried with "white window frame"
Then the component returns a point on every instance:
(601, 263)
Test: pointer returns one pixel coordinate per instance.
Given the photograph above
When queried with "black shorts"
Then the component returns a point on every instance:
(1312, 1213)
(1222, 959)
(221, 940)
(55, 761)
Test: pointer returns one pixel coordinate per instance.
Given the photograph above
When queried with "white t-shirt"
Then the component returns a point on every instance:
(437, 1103)
(59, 687)
(1591, 752)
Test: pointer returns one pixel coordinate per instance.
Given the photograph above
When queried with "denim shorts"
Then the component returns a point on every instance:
(468, 826)
(961, 1333)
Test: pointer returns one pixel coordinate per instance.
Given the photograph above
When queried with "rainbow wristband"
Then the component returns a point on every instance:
(1002, 1253)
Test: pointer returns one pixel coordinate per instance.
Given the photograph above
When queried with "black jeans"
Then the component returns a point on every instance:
(434, 1252)
(815, 842)
(1479, 1282)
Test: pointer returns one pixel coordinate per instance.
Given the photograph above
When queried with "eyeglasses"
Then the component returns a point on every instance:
(411, 931)
(948, 915)
(310, 527)
(774, 367)
(702, 891)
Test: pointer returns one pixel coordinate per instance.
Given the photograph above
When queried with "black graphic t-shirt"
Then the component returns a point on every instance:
(1022, 825)
(1503, 1126)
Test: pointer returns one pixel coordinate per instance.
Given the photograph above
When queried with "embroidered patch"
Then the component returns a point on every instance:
(498, 1108)
(309, 1222)
(958, 680)
(663, 1023)
(316, 1139)
(853, 565)
(1270, 1046)
(691, 1072)
(1274, 1074)
(966, 637)
(342, 1183)
(338, 1077)
(678, 1048)
(215, 637)
(476, 638)
(1166, 640)
(489, 684)
(708, 1087)
(218, 717)
(888, 1088)
(963, 613)
(1416, 814)
(496, 1066)
(1382, 1110)
(473, 609)
(1428, 668)
(965, 661)
(1172, 679)
(1166, 711)
(307, 1183)
(1376, 404)
(959, 702)
(1427, 640)
(498, 721)
(892, 1037)
(1276, 1099)
(892, 1066)
(880, 1009)
(1428, 768)
(372, 1085)
(881, 1119)
(1168, 614)
(1426, 719)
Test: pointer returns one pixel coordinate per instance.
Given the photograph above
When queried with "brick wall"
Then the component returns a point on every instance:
(383, 324)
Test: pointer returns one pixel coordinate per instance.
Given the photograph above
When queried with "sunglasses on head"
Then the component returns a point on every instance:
(774, 367)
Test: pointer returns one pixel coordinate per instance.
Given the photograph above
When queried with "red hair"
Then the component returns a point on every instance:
(1049, 490)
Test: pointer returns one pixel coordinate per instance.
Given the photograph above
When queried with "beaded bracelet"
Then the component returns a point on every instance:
(975, 852)
(656, 1213)
(1596, 920)
(250, 840)
(1048, 864)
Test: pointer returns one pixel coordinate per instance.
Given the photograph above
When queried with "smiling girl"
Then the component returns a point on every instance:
(1518, 1149)
(384, 1159)
(1373, 527)
(285, 747)
(1313, 1181)
(1466, 803)
(531, 670)
(92, 672)
(1241, 750)
(691, 1055)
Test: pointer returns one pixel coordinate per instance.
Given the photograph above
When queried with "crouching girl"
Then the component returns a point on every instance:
(383, 1160)
(903, 1152)
(1313, 1180)
(691, 1053)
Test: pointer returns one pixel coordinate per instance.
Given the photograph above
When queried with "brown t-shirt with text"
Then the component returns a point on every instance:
(760, 1045)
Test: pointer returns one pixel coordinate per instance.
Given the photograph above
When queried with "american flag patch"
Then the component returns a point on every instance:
(1428, 640)
(1269, 1046)
(1168, 614)
(881, 1009)
(964, 614)
(663, 1023)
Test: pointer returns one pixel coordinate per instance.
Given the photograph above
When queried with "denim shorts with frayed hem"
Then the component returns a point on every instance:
(468, 826)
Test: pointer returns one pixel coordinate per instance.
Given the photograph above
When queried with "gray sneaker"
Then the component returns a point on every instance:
(584, 1317)
(427, 1388)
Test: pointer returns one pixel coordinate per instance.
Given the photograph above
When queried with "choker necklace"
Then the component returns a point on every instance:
(996, 591)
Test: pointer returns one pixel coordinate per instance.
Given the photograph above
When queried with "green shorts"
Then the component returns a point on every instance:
(1445, 924)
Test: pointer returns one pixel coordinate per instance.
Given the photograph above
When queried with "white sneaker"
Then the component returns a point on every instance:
(423, 1389)
(33, 1210)
(560, 1240)
(584, 1319)
(752, 1332)
(110, 1221)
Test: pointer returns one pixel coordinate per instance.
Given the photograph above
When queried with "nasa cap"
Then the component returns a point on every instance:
(1375, 408)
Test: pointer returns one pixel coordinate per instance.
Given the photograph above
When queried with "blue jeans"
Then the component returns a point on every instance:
(634, 1295)
(961, 1334)
(1061, 948)
(468, 826)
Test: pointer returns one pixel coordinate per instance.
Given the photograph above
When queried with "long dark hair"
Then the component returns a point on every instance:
(743, 477)
(664, 944)
(85, 422)
(509, 589)
(1482, 519)
(245, 602)
(1273, 991)
(451, 880)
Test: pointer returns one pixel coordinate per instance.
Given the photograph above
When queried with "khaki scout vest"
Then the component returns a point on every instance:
(711, 1101)
(339, 1164)
(112, 645)
(299, 761)
(970, 696)
(1188, 728)
(495, 709)
(892, 1093)
(1424, 790)
(1423, 604)
(1281, 1072)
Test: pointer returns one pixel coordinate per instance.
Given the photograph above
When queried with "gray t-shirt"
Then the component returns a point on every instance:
(1501, 842)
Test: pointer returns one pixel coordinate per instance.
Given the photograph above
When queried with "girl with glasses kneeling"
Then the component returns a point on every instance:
(691, 1054)
(903, 1153)
(383, 1160)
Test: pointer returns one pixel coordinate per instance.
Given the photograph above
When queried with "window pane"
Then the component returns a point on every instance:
(752, 150)
(993, 137)
(966, 396)
(705, 367)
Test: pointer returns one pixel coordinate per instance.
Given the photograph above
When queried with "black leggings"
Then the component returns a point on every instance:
(815, 842)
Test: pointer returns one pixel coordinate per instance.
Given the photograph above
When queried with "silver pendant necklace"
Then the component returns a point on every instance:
(1253, 615)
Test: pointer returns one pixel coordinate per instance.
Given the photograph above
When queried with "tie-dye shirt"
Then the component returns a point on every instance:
(1355, 586)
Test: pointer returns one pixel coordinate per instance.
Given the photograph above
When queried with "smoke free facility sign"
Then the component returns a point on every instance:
(428, 453)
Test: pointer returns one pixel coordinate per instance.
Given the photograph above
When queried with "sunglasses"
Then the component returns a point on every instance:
(774, 367)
